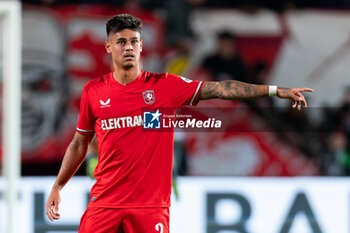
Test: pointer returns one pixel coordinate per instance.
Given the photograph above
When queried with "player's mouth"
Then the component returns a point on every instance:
(129, 56)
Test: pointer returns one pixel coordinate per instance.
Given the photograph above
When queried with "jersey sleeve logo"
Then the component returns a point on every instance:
(187, 80)
(105, 104)
(148, 96)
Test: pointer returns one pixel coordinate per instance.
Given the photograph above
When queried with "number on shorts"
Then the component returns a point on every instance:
(159, 227)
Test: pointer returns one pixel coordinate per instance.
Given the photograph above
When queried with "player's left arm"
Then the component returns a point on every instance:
(235, 90)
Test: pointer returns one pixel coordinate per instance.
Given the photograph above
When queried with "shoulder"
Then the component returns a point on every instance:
(155, 77)
(148, 75)
(163, 77)
(96, 82)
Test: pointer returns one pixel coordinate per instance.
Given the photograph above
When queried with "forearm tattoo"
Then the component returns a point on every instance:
(232, 90)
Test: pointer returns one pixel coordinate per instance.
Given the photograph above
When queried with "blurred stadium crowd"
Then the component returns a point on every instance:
(323, 144)
(152, 4)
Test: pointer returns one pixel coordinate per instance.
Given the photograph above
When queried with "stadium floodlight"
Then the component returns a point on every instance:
(10, 15)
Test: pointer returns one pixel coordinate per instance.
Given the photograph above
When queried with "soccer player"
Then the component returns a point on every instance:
(133, 175)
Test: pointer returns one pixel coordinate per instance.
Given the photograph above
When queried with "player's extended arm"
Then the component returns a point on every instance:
(74, 156)
(235, 90)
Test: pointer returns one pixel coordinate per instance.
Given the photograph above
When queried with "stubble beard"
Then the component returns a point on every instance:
(128, 66)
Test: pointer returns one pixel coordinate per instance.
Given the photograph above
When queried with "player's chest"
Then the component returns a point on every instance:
(118, 103)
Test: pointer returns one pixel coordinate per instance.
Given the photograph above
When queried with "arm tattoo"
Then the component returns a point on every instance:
(80, 142)
(75, 144)
(232, 90)
(283, 90)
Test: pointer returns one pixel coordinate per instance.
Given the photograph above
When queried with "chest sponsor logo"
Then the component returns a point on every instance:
(105, 104)
(148, 96)
(121, 122)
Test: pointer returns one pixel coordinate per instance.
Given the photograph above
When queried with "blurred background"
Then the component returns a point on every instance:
(296, 155)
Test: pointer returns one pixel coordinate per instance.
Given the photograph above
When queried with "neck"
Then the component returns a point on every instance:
(125, 76)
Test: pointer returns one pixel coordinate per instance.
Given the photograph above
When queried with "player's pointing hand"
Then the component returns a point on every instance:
(295, 95)
(52, 204)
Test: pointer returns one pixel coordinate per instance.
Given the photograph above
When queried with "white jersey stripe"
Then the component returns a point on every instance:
(85, 131)
(196, 93)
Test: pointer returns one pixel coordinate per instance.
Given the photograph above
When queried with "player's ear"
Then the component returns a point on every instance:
(108, 46)
(141, 45)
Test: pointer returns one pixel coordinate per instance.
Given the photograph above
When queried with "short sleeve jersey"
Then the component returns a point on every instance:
(134, 167)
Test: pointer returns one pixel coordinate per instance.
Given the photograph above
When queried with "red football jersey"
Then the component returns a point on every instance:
(134, 167)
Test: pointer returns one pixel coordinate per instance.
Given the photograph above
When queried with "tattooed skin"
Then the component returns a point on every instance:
(80, 141)
(235, 90)
(75, 144)
(232, 90)
(283, 91)
(75, 155)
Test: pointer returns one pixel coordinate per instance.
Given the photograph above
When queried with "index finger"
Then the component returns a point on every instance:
(305, 89)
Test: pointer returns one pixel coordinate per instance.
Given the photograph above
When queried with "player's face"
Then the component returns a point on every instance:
(125, 47)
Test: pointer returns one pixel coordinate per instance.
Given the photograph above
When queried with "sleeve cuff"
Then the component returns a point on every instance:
(83, 131)
(195, 98)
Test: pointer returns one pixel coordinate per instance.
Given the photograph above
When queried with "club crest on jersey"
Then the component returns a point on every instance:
(148, 96)
(105, 104)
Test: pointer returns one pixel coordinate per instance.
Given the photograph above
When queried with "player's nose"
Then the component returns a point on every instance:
(128, 46)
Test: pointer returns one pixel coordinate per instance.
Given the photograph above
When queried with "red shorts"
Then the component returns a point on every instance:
(120, 220)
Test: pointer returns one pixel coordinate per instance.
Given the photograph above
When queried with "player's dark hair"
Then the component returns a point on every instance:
(121, 22)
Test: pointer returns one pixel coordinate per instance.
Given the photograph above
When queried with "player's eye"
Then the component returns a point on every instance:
(121, 42)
